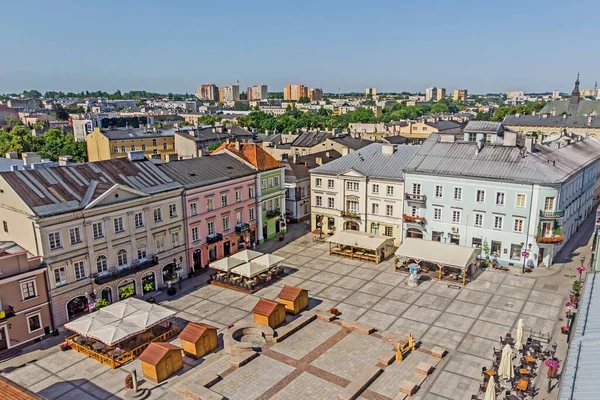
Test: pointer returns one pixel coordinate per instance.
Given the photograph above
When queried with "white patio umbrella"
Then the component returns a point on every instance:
(519, 339)
(246, 255)
(505, 369)
(490, 392)
(268, 260)
(226, 264)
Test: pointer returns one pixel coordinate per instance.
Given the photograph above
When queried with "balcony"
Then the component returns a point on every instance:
(552, 214)
(274, 213)
(8, 312)
(121, 272)
(349, 214)
(554, 239)
(414, 220)
(214, 238)
(415, 198)
(241, 228)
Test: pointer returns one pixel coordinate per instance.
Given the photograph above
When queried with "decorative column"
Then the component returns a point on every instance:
(149, 239)
(108, 236)
(259, 228)
(89, 237)
(131, 222)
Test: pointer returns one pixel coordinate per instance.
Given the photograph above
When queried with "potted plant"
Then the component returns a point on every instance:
(64, 346)
(101, 303)
(564, 329)
(126, 292)
(334, 311)
(171, 290)
(149, 287)
(553, 365)
(486, 250)
(129, 381)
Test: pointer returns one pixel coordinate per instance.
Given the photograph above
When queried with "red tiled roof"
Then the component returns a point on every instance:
(10, 390)
(265, 307)
(290, 293)
(156, 351)
(252, 153)
(194, 331)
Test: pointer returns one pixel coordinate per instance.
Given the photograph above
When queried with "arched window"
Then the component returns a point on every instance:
(101, 264)
(122, 257)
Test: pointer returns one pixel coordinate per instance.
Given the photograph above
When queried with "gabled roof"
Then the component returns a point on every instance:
(265, 307)
(551, 121)
(10, 390)
(290, 293)
(251, 153)
(351, 142)
(62, 189)
(295, 172)
(310, 139)
(484, 127)
(206, 170)
(194, 331)
(156, 351)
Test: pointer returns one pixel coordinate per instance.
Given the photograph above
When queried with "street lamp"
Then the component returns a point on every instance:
(525, 255)
(580, 270)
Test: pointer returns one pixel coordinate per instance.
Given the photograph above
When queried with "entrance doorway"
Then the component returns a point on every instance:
(106, 295)
(168, 272)
(415, 233)
(148, 282)
(252, 237)
(540, 256)
(226, 248)
(197, 259)
(277, 226)
(265, 231)
(3, 339)
(351, 226)
(76, 307)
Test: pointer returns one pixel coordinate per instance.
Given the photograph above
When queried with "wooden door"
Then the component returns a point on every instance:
(3, 339)
(540, 256)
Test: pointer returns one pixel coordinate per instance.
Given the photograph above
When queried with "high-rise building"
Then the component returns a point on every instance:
(440, 94)
(430, 94)
(294, 92)
(371, 91)
(460, 95)
(231, 93)
(208, 91)
(221, 94)
(315, 94)
(258, 92)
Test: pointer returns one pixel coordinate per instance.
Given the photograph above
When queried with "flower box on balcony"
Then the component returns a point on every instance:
(551, 239)
(420, 198)
(410, 218)
(349, 214)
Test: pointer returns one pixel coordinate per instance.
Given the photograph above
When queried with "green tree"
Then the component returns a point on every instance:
(11, 122)
(60, 113)
(304, 100)
(439, 107)
(209, 119)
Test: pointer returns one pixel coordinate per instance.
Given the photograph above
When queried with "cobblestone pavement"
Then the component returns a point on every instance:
(468, 321)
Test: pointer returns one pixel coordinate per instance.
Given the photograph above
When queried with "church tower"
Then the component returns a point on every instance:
(575, 92)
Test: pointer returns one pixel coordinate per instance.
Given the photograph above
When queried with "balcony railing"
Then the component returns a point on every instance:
(552, 214)
(554, 239)
(240, 228)
(349, 214)
(274, 213)
(416, 198)
(214, 238)
(7, 313)
(414, 220)
(121, 272)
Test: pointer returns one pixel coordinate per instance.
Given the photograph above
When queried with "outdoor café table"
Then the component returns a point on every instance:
(513, 397)
(530, 359)
(523, 371)
(97, 346)
(490, 372)
(522, 385)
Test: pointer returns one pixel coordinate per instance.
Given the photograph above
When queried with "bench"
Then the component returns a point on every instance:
(424, 368)
(438, 352)
(407, 387)
(325, 316)
(366, 376)
(242, 359)
(294, 326)
(358, 326)
(387, 358)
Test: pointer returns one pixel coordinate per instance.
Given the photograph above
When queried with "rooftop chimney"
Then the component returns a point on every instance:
(529, 145)
(447, 138)
(136, 155)
(319, 161)
(237, 145)
(510, 138)
(31, 158)
(480, 144)
(345, 151)
(64, 160)
(12, 155)
(388, 149)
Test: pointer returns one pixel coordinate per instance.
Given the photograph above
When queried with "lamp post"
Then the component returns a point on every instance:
(525, 255)
(581, 269)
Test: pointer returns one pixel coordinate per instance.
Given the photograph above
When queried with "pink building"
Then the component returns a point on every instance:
(220, 204)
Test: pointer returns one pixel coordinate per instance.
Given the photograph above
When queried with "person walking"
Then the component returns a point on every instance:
(254, 245)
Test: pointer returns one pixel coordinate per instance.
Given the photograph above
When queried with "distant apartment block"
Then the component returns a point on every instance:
(430, 93)
(231, 93)
(460, 95)
(315, 94)
(371, 92)
(294, 92)
(208, 92)
(221, 96)
(440, 94)
(257, 92)
(110, 144)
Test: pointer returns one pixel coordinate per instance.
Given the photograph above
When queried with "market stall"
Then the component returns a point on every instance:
(361, 245)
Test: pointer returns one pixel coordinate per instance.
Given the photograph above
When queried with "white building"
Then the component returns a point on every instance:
(362, 191)
(232, 93)
(489, 192)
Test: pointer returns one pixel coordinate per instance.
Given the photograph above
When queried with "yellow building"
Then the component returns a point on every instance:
(221, 94)
(111, 144)
(371, 92)
(460, 95)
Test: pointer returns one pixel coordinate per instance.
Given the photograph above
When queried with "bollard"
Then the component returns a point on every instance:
(135, 381)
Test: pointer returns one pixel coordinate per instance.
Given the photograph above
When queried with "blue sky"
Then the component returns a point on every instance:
(484, 46)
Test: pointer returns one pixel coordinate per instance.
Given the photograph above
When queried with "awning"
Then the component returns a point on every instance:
(250, 270)
(268, 260)
(246, 255)
(437, 252)
(226, 264)
(119, 321)
(361, 240)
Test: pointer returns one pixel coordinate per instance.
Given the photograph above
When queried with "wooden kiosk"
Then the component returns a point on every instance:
(160, 361)
(294, 299)
(270, 313)
(198, 339)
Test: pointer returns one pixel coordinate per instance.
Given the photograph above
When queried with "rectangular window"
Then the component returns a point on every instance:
(480, 198)
(374, 228)
(520, 200)
(456, 216)
(225, 221)
(175, 239)
(436, 236)
(138, 219)
(194, 208)
(54, 240)
(251, 214)
(318, 182)
(276, 203)
(549, 204)
(195, 236)
(496, 248)
(319, 201)
(209, 204)
(330, 202)
(437, 213)
(330, 183)
(352, 186)
(98, 230)
(34, 323)
(79, 270)
(414, 211)
(238, 217)
(515, 251)
(500, 198)
(375, 208)
(352, 206)
(123, 149)
(153, 142)
(389, 190)
(439, 191)
(478, 222)
(458, 193)
(157, 214)
(238, 196)
(141, 252)
(165, 146)
(118, 224)
(416, 188)
(476, 242)
(251, 192)
(75, 235)
(133, 147)
(172, 210)
(210, 227)
(224, 200)
(389, 210)
(263, 184)
(160, 247)
(276, 181)
(28, 290)
(270, 182)
(518, 225)
(60, 276)
(388, 231)
(498, 222)
(116, 149)
(144, 147)
(375, 188)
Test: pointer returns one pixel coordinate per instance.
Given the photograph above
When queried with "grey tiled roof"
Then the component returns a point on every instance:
(6, 163)
(484, 127)
(206, 170)
(443, 125)
(351, 142)
(124, 134)
(310, 139)
(558, 121)
(583, 108)
(509, 163)
(370, 161)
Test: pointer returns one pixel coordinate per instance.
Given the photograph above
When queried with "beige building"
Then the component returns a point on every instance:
(372, 92)
(112, 144)
(440, 94)
(221, 97)
(106, 230)
(24, 306)
(553, 126)
(430, 94)
(230, 93)
(460, 95)
(258, 92)
(208, 92)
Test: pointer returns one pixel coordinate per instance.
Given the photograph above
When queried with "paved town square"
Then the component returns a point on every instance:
(321, 358)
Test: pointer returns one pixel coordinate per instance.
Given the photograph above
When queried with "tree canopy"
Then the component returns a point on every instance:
(53, 144)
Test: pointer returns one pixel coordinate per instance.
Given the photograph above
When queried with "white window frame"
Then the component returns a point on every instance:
(330, 202)
(375, 208)
(496, 219)
(455, 190)
(210, 204)
(224, 200)
(62, 275)
(105, 266)
(52, 236)
(36, 314)
(210, 227)
(416, 188)
(251, 193)
(35, 291)
(225, 222)
(195, 234)
(138, 220)
(389, 210)
(319, 201)
(157, 214)
(477, 192)
(251, 213)
(173, 210)
(330, 184)
(175, 239)
(517, 200)
(79, 265)
(515, 225)
(438, 210)
(478, 214)
(98, 230)
(238, 196)
(193, 208)
(503, 198)
(352, 186)
(118, 223)
(454, 214)
(375, 188)
(75, 235)
(441, 192)
(120, 258)
(389, 190)
(318, 182)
